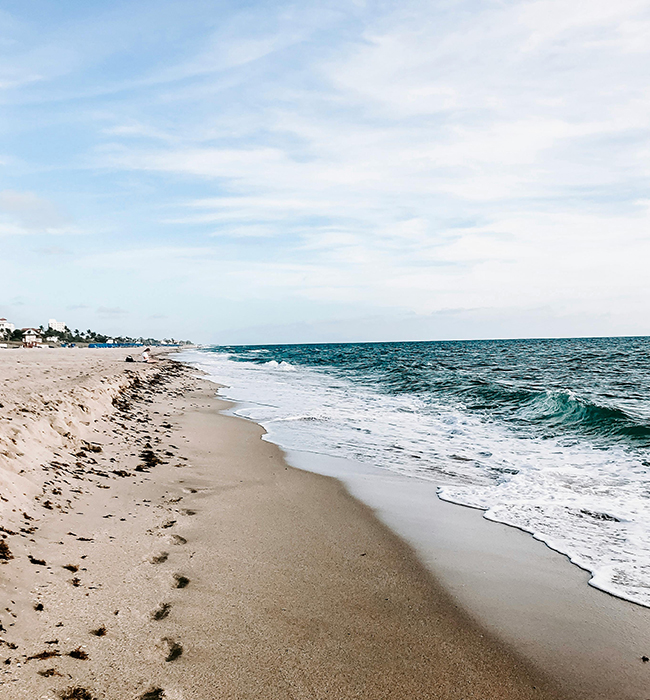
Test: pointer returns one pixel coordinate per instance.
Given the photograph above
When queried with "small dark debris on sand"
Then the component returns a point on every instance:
(149, 460)
(5, 552)
(38, 607)
(38, 562)
(160, 558)
(181, 581)
(175, 649)
(168, 524)
(645, 659)
(92, 447)
(121, 472)
(76, 582)
(78, 653)
(76, 693)
(44, 655)
(99, 632)
(48, 672)
(161, 612)
(71, 567)
(153, 694)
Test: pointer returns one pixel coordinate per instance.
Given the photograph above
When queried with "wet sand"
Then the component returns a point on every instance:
(529, 596)
(158, 549)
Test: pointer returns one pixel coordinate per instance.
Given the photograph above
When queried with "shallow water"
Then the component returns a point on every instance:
(550, 436)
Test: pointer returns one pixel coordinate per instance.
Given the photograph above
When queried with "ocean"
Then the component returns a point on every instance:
(550, 436)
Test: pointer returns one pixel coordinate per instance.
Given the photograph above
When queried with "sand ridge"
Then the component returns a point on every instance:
(49, 400)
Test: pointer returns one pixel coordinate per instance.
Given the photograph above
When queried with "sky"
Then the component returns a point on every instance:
(262, 172)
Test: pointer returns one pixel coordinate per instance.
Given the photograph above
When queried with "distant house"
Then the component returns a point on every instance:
(5, 327)
(55, 325)
(31, 337)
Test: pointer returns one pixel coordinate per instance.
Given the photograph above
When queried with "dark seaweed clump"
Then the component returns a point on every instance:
(5, 552)
(78, 653)
(149, 460)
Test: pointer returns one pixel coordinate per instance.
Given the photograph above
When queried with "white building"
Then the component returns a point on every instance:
(55, 325)
(31, 337)
(6, 327)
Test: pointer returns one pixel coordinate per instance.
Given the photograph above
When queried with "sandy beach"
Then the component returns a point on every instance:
(158, 549)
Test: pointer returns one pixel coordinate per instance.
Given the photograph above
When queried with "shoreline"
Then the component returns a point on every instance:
(529, 596)
(186, 559)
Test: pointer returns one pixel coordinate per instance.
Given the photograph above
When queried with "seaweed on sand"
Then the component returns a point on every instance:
(78, 653)
(5, 552)
(44, 655)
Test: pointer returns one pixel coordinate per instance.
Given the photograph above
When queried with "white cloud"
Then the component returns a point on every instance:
(26, 212)
(111, 311)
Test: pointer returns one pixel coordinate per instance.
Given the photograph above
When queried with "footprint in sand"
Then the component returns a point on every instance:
(161, 612)
(181, 581)
(160, 558)
(76, 693)
(153, 694)
(174, 649)
(177, 539)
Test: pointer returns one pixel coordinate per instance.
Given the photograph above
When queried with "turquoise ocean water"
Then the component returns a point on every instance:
(551, 436)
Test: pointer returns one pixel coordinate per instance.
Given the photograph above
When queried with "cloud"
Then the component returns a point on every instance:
(53, 251)
(436, 122)
(409, 155)
(28, 213)
(108, 311)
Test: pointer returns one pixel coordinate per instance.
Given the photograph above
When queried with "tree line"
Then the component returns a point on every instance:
(88, 336)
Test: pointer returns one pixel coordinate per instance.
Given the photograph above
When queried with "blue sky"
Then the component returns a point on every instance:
(278, 172)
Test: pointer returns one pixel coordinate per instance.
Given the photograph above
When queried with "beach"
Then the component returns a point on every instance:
(156, 548)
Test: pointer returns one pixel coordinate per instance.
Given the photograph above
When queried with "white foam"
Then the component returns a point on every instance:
(590, 503)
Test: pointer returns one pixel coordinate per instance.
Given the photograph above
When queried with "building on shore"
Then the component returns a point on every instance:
(6, 328)
(55, 325)
(31, 337)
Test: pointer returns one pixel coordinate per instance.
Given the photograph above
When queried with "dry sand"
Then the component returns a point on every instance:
(162, 550)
